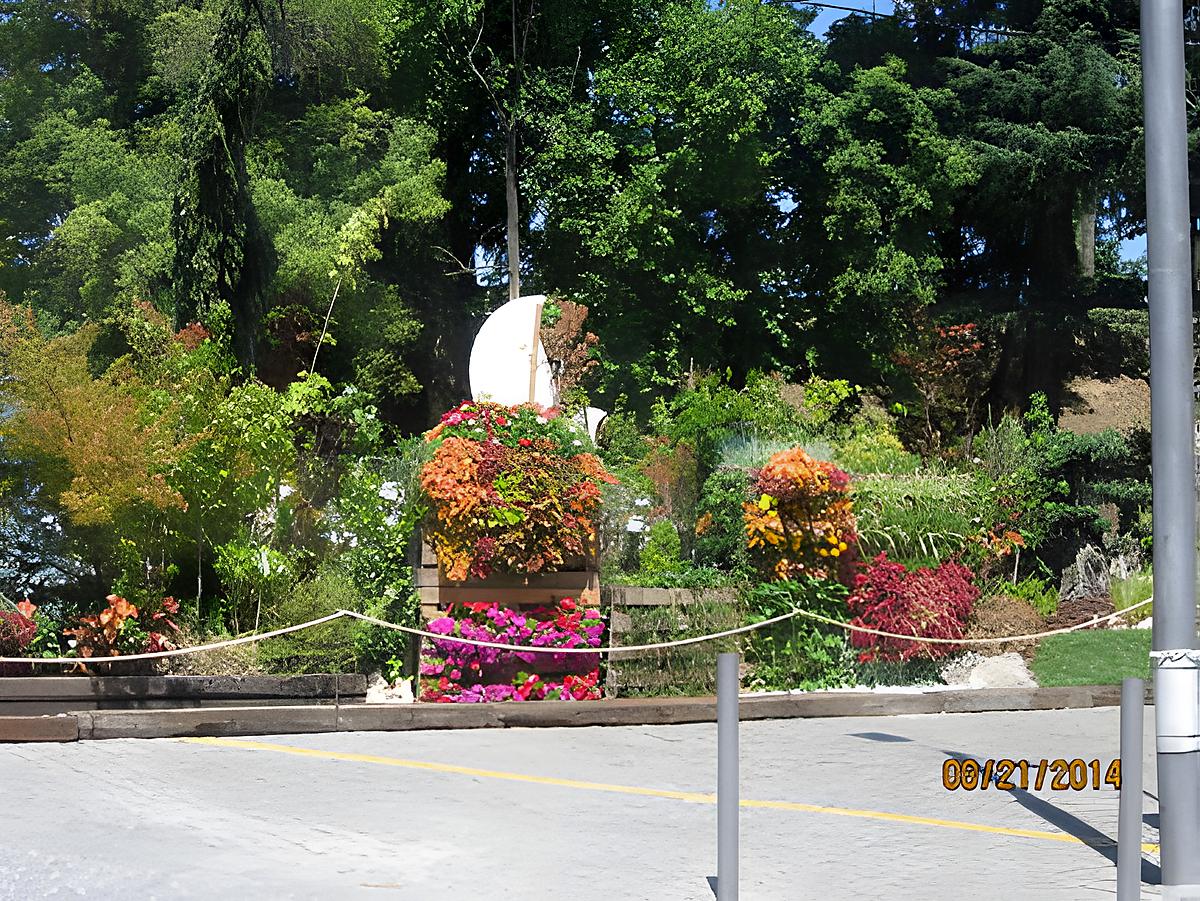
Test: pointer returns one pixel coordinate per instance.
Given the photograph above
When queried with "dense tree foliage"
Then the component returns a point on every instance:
(219, 219)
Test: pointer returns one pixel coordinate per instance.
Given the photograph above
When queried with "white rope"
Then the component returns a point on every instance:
(179, 652)
(1001, 640)
(527, 649)
(627, 649)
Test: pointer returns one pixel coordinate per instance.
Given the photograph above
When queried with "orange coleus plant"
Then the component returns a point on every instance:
(511, 490)
(116, 630)
(801, 521)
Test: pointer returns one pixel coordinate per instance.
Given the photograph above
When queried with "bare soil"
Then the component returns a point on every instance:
(1072, 613)
(1093, 405)
(1000, 615)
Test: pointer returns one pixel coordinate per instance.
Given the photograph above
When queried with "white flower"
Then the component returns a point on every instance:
(577, 443)
(543, 420)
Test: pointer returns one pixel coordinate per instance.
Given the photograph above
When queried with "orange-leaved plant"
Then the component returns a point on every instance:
(511, 490)
(801, 521)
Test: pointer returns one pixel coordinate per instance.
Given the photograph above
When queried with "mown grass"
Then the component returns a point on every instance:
(1093, 657)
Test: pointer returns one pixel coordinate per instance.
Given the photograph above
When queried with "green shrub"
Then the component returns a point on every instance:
(873, 452)
(798, 652)
(663, 549)
(686, 576)
(330, 648)
(720, 527)
(1041, 595)
(826, 400)
(713, 411)
(254, 577)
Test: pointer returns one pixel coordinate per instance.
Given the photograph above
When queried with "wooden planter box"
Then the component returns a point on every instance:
(518, 591)
(515, 591)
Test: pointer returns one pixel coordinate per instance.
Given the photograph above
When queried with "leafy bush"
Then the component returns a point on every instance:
(1116, 342)
(1056, 495)
(117, 630)
(798, 653)
(253, 576)
(873, 452)
(801, 523)
(329, 648)
(825, 400)
(711, 411)
(721, 526)
(16, 633)
(519, 495)
(661, 553)
(1040, 594)
(926, 603)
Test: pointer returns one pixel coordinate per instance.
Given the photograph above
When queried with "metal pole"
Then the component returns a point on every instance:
(728, 685)
(1177, 717)
(1129, 820)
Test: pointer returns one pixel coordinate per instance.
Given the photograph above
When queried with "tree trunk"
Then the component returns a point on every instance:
(514, 238)
(1087, 240)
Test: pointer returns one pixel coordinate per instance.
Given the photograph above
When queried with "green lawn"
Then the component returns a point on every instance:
(1103, 657)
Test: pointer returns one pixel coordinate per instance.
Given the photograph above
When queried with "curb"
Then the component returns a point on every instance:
(359, 717)
(39, 728)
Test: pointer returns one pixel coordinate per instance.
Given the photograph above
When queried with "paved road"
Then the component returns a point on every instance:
(592, 814)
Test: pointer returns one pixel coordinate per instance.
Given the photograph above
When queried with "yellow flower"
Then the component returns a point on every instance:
(764, 502)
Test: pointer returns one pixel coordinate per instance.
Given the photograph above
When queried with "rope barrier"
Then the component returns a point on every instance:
(531, 649)
(1001, 640)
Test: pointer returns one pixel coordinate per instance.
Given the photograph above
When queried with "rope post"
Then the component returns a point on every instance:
(728, 684)
(1129, 819)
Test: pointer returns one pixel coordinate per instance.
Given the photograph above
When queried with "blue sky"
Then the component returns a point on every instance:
(826, 17)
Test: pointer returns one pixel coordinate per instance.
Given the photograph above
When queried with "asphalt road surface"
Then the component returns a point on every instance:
(832, 809)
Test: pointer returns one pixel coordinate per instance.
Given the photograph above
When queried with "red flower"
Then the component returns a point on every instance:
(567, 604)
(524, 442)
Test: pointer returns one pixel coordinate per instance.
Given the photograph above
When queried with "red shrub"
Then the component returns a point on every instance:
(16, 631)
(928, 603)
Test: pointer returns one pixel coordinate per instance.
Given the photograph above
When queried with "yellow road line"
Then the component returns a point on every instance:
(693, 797)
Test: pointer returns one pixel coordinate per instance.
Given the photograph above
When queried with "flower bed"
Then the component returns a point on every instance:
(452, 671)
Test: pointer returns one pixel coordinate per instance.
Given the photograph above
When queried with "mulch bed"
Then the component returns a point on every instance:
(1072, 613)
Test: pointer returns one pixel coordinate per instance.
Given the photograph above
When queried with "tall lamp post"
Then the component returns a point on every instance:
(1177, 703)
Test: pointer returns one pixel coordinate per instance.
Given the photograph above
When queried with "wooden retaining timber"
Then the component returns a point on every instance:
(437, 592)
(692, 667)
(34, 696)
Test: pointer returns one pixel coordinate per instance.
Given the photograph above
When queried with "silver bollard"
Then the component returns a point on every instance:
(1129, 817)
(728, 686)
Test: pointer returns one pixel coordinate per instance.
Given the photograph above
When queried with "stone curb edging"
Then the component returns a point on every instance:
(241, 721)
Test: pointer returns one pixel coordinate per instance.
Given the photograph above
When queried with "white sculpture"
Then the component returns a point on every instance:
(501, 356)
